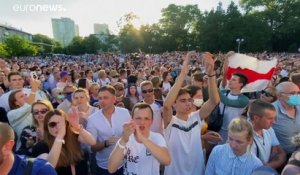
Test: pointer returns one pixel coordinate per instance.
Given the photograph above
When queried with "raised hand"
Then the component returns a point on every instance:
(185, 64)
(138, 134)
(61, 126)
(35, 84)
(128, 129)
(74, 117)
(209, 63)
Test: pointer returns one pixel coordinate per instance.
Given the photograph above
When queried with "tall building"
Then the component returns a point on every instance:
(6, 31)
(64, 30)
(101, 29)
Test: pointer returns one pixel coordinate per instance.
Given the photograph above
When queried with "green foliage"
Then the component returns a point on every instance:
(3, 52)
(17, 46)
(44, 43)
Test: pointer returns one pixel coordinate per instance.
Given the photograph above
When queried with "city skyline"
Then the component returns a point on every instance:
(35, 16)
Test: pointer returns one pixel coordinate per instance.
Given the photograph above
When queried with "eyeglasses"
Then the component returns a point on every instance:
(52, 124)
(267, 94)
(147, 90)
(43, 111)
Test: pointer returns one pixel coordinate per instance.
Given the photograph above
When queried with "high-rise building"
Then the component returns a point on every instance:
(101, 29)
(64, 30)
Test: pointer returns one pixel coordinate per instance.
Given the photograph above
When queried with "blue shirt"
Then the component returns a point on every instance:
(286, 126)
(39, 167)
(222, 161)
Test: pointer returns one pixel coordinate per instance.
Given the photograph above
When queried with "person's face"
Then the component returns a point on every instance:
(106, 99)
(94, 89)
(79, 98)
(197, 83)
(288, 91)
(198, 95)
(132, 90)
(39, 111)
(143, 119)
(238, 142)
(234, 83)
(119, 91)
(16, 82)
(147, 92)
(2, 76)
(267, 96)
(20, 98)
(184, 103)
(52, 125)
(267, 121)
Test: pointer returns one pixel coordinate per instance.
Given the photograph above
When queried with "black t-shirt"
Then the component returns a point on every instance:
(81, 166)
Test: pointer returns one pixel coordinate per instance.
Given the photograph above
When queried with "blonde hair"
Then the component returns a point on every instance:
(240, 125)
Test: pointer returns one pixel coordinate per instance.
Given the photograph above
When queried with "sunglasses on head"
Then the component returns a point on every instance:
(267, 94)
(43, 111)
(149, 91)
(52, 124)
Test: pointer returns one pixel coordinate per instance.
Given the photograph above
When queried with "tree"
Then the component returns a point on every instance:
(3, 52)
(76, 47)
(281, 16)
(177, 25)
(44, 43)
(17, 46)
(129, 36)
(91, 44)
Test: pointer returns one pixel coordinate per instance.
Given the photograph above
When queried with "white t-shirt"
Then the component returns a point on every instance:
(184, 142)
(138, 159)
(101, 129)
(157, 124)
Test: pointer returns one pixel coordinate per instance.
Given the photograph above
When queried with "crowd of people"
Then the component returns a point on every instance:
(140, 114)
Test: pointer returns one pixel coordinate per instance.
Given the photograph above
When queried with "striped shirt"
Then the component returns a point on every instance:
(222, 161)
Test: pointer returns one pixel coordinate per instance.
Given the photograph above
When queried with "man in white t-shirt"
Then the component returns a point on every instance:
(142, 150)
(156, 105)
(106, 126)
(182, 131)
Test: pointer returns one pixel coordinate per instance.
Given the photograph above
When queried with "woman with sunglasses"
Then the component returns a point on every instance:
(62, 136)
(268, 94)
(32, 134)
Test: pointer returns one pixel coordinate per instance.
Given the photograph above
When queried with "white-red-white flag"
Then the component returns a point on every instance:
(258, 72)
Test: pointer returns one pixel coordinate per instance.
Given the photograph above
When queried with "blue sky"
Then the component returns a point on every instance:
(34, 16)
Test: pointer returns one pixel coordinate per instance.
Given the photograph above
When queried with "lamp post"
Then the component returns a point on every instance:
(149, 47)
(188, 46)
(239, 41)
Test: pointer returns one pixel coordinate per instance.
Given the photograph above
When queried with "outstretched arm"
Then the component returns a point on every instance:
(172, 95)
(214, 97)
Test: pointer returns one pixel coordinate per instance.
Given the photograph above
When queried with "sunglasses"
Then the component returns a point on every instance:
(43, 111)
(52, 124)
(267, 94)
(149, 91)
(115, 76)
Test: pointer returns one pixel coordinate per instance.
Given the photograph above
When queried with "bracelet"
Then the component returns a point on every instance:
(60, 140)
(211, 75)
(119, 144)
